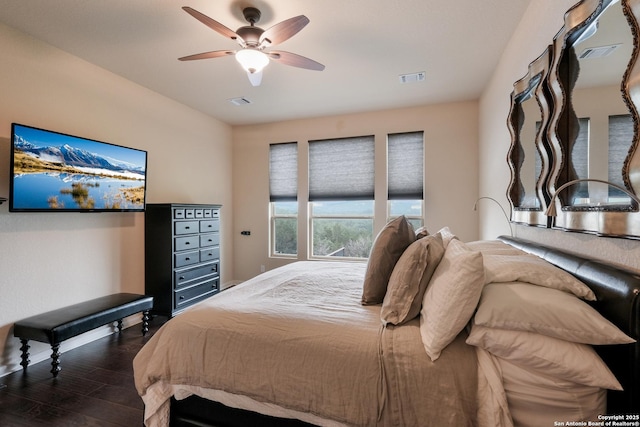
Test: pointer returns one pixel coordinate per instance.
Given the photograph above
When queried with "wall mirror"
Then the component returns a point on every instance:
(528, 155)
(595, 93)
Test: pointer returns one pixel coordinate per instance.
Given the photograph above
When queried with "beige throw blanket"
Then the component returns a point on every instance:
(298, 337)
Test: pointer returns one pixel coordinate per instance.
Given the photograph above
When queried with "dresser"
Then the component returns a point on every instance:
(182, 255)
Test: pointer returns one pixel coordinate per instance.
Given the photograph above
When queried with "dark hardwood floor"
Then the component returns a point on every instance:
(94, 388)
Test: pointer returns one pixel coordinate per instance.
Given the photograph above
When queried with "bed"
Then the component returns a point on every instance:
(305, 345)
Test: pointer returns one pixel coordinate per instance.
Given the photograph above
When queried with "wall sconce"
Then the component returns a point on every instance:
(475, 208)
(551, 210)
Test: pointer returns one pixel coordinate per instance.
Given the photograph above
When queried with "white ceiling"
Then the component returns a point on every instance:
(364, 44)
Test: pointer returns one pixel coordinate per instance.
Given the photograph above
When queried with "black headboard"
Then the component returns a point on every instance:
(618, 299)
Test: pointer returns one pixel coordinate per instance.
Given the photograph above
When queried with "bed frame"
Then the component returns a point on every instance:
(618, 299)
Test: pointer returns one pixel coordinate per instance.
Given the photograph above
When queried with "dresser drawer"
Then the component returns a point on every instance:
(186, 227)
(183, 259)
(209, 239)
(187, 242)
(184, 276)
(209, 254)
(207, 226)
(199, 291)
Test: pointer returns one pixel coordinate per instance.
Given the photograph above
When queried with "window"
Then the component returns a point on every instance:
(283, 194)
(405, 176)
(620, 140)
(341, 192)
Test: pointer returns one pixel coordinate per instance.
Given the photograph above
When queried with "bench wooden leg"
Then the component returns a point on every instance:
(145, 322)
(25, 353)
(119, 325)
(55, 360)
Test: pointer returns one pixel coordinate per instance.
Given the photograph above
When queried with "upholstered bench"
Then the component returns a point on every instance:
(55, 326)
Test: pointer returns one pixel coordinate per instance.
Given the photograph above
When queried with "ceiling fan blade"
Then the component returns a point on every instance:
(284, 30)
(214, 25)
(208, 55)
(255, 78)
(295, 60)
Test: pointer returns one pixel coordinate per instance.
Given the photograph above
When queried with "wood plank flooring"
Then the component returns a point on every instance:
(94, 388)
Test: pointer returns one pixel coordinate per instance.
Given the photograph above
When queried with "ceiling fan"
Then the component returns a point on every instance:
(253, 41)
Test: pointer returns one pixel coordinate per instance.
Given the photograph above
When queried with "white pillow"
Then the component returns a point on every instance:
(409, 280)
(494, 247)
(447, 236)
(536, 399)
(534, 270)
(570, 361)
(451, 297)
(551, 312)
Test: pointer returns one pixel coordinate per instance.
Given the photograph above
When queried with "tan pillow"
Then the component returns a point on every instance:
(409, 280)
(570, 361)
(533, 269)
(389, 244)
(451, 297)
(547, 311)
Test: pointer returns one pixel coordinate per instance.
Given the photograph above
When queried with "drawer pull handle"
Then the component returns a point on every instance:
(187, 259)
(181, 277)
(181, 297)
(187, 227)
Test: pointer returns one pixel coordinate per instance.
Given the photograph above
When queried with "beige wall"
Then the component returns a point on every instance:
(51, 260)
(542, 21)
(450, 133)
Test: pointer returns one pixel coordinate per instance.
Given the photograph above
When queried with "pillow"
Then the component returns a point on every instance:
(447, 236)
(551, 312)
(421, 232)
(409, 280)
(533, 269)
(553, 399)
(389, 244)
(494, 247)
(567, 360)
(451, 297)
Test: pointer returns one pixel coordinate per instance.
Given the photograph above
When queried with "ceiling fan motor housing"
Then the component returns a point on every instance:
(251, 14)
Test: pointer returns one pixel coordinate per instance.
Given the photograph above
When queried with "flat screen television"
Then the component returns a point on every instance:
(55, 172)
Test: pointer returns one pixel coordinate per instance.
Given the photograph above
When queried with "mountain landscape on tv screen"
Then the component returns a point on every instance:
(63, 176)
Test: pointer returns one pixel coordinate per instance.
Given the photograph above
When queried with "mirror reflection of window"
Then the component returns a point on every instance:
(620, 139)
(602, 143)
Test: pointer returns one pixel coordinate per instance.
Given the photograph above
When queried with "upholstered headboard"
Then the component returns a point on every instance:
(618, 299)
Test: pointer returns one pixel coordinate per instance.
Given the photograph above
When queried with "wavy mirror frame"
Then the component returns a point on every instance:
(599, 220)
(533, 84)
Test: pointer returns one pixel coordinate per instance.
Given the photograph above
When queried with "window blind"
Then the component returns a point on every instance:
(405, 165)
(283, 172)
(620, 139)
(580, 157)
(341, 169)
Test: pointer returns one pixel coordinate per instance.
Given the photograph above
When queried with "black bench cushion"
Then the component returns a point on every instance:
(58, 325)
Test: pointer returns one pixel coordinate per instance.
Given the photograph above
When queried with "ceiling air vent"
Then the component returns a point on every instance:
(598, 52)
(413, 77)
(240, 101)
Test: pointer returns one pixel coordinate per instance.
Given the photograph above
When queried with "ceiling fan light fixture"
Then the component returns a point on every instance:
(252, 60)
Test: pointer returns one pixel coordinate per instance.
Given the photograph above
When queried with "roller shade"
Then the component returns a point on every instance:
(405, 165)
(342, 169)
(283, 172)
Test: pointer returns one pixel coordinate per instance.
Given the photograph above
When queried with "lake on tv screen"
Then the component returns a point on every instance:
(76, 191)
